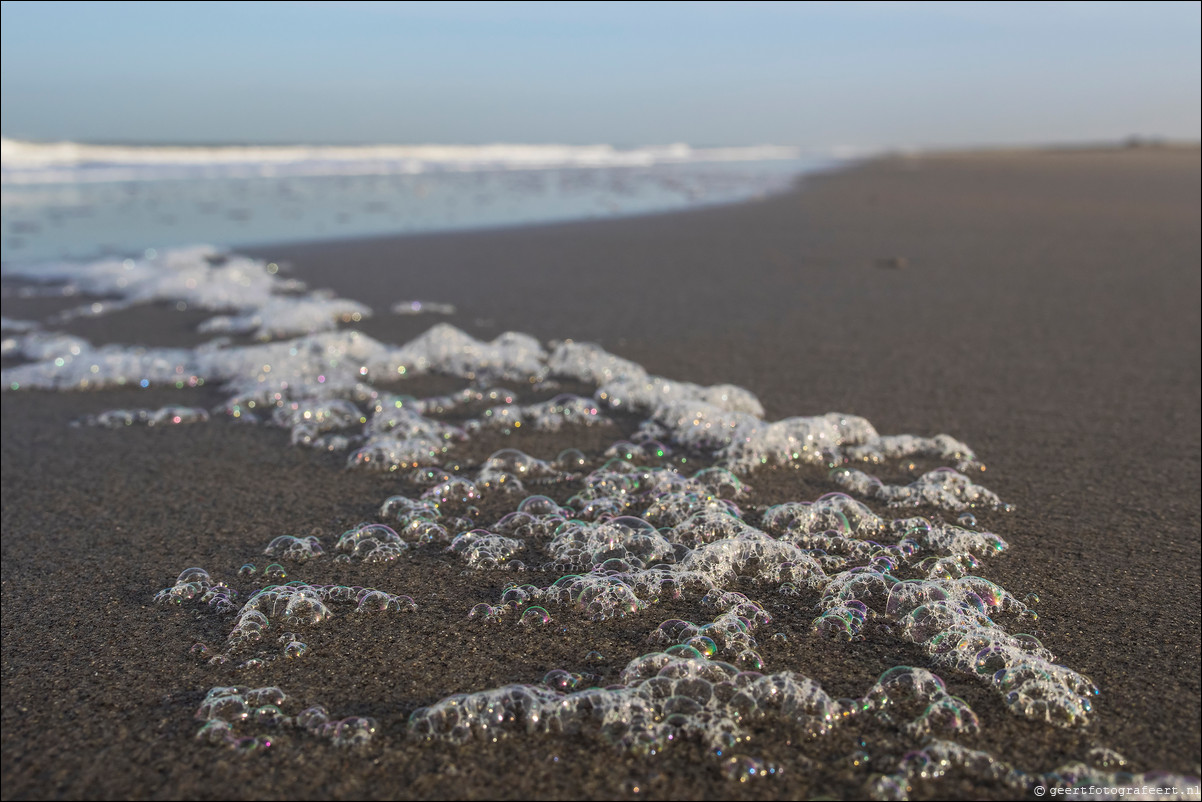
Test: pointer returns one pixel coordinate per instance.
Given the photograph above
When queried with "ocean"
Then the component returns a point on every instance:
(73, 201)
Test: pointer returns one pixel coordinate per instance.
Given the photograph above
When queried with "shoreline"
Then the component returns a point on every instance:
(243, 209)
(1030, 320)
(836, 167)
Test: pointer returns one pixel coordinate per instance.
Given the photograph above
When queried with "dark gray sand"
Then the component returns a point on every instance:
(1042, 307)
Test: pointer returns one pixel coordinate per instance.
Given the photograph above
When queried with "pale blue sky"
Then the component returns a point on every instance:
(812, 74)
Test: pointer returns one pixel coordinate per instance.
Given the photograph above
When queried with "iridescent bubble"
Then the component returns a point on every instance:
(685, 652)
(288, 547)
(313, 719)
(570, 460)
(540, 505)
(515, 597)
(534, 616)
(269, 715)
(372, 543)
(749, 659)
(216, 731)
(305, 606)
(378, 601)
(1106, 758)
(482, 549)
(224, 702)
(720, 482)
(560, 680)
(353, 732)
(674, 630)
(295, 649)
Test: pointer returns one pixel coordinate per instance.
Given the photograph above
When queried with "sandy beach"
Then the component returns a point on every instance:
(1041, 306)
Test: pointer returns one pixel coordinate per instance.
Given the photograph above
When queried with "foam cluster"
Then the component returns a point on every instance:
(680, 694)
(422, 308)
(662, 697)
(253, 641)
(164, 416)
(722, 421)
(253, 720)
(665, 516)
(202, 277)
(943, 487)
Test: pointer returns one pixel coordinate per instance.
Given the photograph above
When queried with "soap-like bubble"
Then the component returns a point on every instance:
(166, 416)
(534, 617)
(241, 719)
(944, 488)
(294, 649)
(372, 543)
(482, 549)
(570, 460)
(288, 547)
(226, 703)
(353, 732)
(378, 601)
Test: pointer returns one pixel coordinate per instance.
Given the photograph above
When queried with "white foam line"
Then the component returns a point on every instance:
(23, 163)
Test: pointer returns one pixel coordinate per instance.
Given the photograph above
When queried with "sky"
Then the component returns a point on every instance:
(818, 75)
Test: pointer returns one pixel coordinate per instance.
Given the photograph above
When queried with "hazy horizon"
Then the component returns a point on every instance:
(1135, 137)
(815, 75)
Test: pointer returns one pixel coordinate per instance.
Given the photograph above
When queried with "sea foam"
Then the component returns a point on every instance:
(666, 515)
(23, 162)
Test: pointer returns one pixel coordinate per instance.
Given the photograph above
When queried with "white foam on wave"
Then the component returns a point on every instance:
(24, 162)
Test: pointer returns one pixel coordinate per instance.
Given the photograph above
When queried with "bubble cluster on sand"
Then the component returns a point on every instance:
(943, 487)
(290, 547)
(273, 619)
(668, 515)
(422, 308)
(662, 697)
(265, 305)
(254, 720)
(164, 416)
(197, 583)
(316, 384)
(904, 578)
(938, 759)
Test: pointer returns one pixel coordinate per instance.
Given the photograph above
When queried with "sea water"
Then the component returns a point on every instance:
(663, 514)
(68, 200)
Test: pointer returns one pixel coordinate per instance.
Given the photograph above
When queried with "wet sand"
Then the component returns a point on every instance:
(1042, 307)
